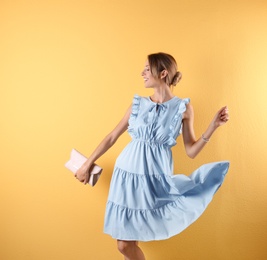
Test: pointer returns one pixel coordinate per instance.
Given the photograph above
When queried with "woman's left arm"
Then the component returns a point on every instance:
(192, 145)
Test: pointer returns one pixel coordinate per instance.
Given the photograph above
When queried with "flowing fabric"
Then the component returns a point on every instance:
(146, 200)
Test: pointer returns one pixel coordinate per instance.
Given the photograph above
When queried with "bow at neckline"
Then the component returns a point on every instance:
(157, 107)
(155, 110)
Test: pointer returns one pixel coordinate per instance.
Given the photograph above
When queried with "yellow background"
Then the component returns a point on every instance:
(68, 72)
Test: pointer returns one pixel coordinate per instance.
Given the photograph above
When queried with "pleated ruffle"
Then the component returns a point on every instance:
(177, 122)
(134, 113)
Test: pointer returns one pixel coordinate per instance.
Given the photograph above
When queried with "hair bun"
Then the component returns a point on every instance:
(177, 77)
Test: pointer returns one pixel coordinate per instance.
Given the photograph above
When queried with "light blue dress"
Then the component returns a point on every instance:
(146, 200)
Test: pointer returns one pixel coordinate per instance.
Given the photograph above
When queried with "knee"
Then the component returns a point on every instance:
(125, 246)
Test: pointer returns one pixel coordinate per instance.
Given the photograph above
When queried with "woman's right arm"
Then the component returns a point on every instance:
(83, 173)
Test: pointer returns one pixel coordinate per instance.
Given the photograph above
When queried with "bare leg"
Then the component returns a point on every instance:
(130, 250)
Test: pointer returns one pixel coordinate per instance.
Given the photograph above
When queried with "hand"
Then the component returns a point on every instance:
(82, 174)
(221, 117)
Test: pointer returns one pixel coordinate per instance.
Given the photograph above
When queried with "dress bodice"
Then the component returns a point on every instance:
(159, 123)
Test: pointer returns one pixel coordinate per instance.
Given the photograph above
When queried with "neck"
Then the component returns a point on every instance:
(162, 94)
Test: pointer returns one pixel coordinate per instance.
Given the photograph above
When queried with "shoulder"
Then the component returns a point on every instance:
(137, 104)
(136, 96)
(137, 99)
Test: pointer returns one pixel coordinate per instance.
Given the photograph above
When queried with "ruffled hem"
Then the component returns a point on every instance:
(143, 225)
(180, 211)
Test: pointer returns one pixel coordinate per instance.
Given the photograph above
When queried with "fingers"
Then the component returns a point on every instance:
(79, 177)
(224, 118)
(224, 114)
(82, 178)
(82, 175)
(85, 181)
(223, 110)
(87, 177)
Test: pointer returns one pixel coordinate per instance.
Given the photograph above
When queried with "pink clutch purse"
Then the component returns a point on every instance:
(75, 163)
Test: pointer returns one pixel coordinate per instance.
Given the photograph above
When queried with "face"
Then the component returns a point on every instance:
(149, 80)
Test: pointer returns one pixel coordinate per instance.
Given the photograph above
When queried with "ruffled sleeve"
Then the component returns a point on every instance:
(182, 109)
(182, 106)
(176, 124)
(135, 109)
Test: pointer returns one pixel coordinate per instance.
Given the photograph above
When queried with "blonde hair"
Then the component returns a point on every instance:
(163, 61)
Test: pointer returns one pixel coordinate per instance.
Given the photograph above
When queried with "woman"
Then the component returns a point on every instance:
(146, 200)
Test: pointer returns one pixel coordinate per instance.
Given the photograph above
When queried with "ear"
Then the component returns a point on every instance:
(163, 74)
